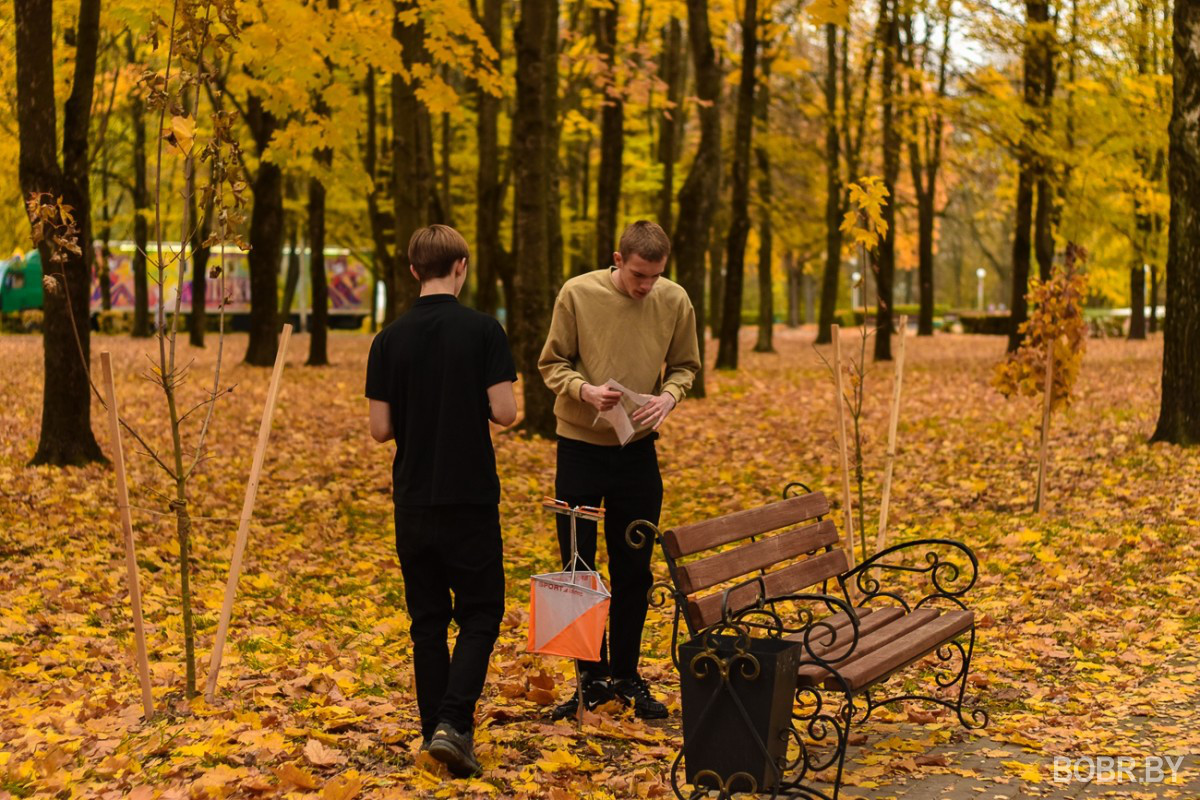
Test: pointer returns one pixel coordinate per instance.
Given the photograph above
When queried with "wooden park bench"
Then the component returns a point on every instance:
(780, 572)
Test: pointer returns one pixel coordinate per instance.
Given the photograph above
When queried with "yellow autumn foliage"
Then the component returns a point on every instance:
(1055, 326)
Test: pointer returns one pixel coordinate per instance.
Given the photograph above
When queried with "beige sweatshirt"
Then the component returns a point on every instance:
(597, 333)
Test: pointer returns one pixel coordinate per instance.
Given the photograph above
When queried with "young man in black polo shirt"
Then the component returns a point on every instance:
(435, 376)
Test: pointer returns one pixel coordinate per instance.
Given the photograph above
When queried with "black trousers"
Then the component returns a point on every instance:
(452, 561)
(627, 482)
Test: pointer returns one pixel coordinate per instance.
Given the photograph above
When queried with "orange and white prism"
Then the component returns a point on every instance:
(569, 609)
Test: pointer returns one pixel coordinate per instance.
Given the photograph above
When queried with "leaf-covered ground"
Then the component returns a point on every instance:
(1086, 613)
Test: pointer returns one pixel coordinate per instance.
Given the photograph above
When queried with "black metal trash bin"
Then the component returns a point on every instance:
(717, 736)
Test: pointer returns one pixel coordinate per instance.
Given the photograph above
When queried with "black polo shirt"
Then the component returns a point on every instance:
(433, 365)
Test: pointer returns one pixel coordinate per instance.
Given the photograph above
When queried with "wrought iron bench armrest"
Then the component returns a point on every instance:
(950, 580)
(763, 615)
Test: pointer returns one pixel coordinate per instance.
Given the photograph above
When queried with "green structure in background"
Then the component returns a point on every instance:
(21, 283)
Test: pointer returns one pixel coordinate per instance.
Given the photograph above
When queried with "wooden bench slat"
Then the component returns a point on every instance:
(898, 625)
(704, 611)
(869, 619)
(881, 663)
(839, 622)
(708, 572)
(710, 533)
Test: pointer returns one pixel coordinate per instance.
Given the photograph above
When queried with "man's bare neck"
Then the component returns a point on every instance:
(615, 276)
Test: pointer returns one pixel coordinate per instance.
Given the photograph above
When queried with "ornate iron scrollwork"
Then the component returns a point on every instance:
(790, 489)
(949, 580)
(736, 660)
(970, 717)
(636, 534)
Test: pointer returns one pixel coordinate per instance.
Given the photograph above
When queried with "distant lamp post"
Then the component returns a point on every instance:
(855, 290)
(979, 273)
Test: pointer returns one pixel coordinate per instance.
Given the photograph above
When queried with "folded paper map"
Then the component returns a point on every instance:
(620, 416)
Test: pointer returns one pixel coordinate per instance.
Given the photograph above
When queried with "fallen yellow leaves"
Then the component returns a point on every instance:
(321, 755)
(1030, 773)
(343, 787)
(1078, 612)
(293, 776)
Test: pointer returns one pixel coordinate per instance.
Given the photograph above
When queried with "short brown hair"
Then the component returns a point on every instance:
(432, 251)
(646, 239)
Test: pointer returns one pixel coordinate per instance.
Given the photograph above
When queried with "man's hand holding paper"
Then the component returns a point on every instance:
(602, 398)
(625, 412)
(655, 411)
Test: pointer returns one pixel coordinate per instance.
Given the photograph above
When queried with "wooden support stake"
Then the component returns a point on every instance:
(239, 548)
(841, 421)
(131, 568)
(1039, 502)
(881, 538)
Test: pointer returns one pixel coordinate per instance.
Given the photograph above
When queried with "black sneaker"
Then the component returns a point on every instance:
(637, 691)
(455, 750)
(596, 692)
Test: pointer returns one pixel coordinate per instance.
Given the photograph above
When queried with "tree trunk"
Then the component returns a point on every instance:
(926, 216)
(766, 299)
(489, 206)
(1137, 301)
(674, 74)
(925, 161)
(190, 232)
(809, 290)
(696, 201)
(1179, 416)
(318, 353)
(533, 138)
(716, 265)
(1043, 228)
(1047, 198)
(554, 263)
(793, 289)
(416, 202)
(197, 321)
(380, 220)
(106, 211)
(1021, 251)
(1143, 219)
(833, 191)
(578, 171)
(739, 210)
(66, 434)
(266, 240)
(1037, 14)
(886, 276)
(103, 274)
(292, 277)
(447, 171)
(141, 204)
(1153, 299)
(612, 137)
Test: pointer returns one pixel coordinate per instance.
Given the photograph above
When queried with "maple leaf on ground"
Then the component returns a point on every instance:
(344, 787)
(321, 755)
(292, 776)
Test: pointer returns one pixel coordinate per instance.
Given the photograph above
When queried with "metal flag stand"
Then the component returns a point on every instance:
(575, 512)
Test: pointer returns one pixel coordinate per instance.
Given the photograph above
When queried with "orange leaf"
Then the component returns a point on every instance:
(292, 775)
(321, 755)
(343, 787)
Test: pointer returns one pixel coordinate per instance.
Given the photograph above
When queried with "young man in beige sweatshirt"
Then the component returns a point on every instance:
(624, 322)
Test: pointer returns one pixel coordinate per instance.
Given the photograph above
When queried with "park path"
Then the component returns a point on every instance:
(966, 766)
